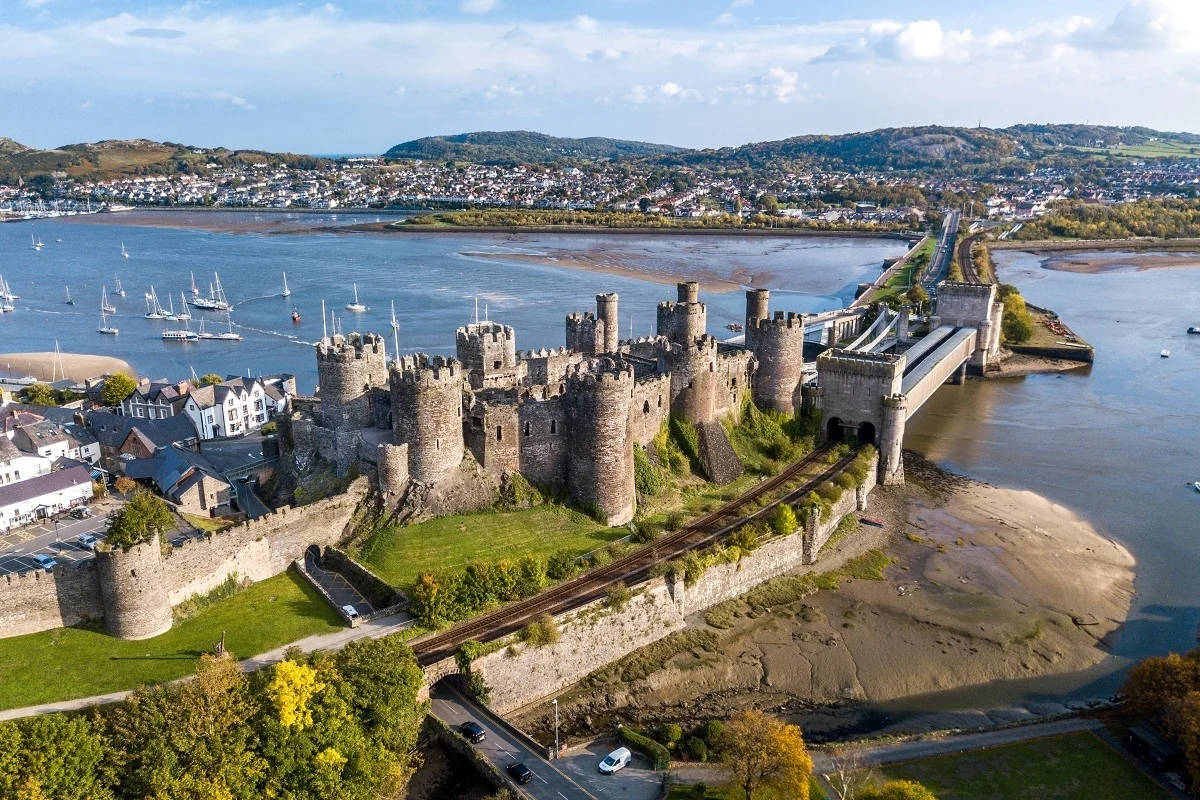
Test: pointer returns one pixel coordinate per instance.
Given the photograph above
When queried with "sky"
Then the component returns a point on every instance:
(359, 77)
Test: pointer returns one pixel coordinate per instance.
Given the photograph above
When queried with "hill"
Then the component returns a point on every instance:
(115, 158)
(526, 147)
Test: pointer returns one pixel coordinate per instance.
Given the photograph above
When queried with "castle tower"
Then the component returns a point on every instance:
(694, 379)
(133, 586)
(488, 352)
(600, 464)
(347, 369)
(606, 313)
(756, 310)
(891, 440)
(685, 319)
(427, 414)
(779, 348)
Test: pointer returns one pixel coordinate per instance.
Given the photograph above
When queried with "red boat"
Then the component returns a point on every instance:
(295, 316)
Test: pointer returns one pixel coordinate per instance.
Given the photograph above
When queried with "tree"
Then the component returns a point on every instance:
(51, 756)
(384, 680)
(1155, 683)
(784, 521)
(39, 394)
(644, 204)
(117, 388)
(897, 790)
(210, 379)
(848, 775)
(762, 751)
(292, 686)
(769, 203)
(142, 518)
(917, 296)
(124, 484)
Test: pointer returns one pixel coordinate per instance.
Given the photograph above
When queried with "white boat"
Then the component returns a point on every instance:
(179, 335)
(105, 328)
(195, 291)
(1194, 330)
(170, 312)
(356, 306)
(395, 322)
(286, 291)
(105, 306)
(69, 301)
(215, 301)
(184, 314)
(6, 307)
(124, 252)
(1196, 485)
(118, 290)
(1165, 354)
(228, 336)
(153, 309)
(34, 242)
(6, 292)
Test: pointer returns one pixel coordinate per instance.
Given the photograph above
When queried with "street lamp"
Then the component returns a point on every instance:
(556, 750)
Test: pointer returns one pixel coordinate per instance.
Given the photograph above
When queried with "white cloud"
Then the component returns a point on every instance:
(585, 23)
(669, 91)
(777, 84)
(234, 100)
(922, 40)
(741, 3)
(479, 6)
(498, 92)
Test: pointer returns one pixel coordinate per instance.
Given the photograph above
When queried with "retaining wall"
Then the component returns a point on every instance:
(594, 635)
(38, 600)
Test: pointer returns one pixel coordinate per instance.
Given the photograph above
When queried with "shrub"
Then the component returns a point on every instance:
(687, 437)
(696, 749)
(645, 745)
(669, 734)
(784, 520)
(531, 576)
(647, 478)
(561, 565)
(828, 491)
(745, 538)
(711, 732)
(647, 532)
(541, 631)
(668, 452)
(618, 597)
(845, 481)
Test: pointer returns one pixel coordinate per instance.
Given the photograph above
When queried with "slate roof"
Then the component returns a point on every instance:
(111, 430)
(32, 488)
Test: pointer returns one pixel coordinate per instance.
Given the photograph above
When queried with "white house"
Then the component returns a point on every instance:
(154, 400)
(17, 466)
(231, 408)
(36, 498)
(54, 441)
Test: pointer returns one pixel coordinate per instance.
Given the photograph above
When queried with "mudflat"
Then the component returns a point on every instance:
(1093, 263)
(986, 584)
(76, 366)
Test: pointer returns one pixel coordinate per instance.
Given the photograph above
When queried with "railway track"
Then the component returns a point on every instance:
(966, 260)
(631, 568)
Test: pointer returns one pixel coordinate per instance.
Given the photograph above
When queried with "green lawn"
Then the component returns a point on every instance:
(76, 662)
(1077, 766)
(398, 555)
(1160, 149)
(903, 278)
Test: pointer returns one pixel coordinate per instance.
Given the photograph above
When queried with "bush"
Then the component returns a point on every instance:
(711, 732)
(647, 532)
(645, 745)
(746, 537)
(561, 565)
(542, 631)
(618, 597)
(668, 452)
(784, 521)
(696, 749)
(647, 478)
(669, 734)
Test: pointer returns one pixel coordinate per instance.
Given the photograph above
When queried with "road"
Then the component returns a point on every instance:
(58, 539)
(939, 265)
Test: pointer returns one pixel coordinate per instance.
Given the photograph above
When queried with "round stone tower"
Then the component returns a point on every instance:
(488, 352)
(347, 369)
(694, 379)
(779, 348)
(600, 466)
(133, 587)
(427, 414)
(891, 440)
(606, 312)
(756, 310)
(685, 319)
(392, 463)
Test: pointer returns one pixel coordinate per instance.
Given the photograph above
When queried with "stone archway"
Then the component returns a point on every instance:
(835, 430)
(867, 434)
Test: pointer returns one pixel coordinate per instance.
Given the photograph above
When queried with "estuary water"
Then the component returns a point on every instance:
(433, 279)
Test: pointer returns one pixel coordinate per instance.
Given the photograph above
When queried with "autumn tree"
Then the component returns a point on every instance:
(896, 790)
(292, 686)
(1153, 684)
(763, 751)
(116, 388)
(210, 379)
(39, 394)
(124, 484)
(51, 756)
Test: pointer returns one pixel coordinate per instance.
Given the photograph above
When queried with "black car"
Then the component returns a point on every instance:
(473, 731)
(519, 772)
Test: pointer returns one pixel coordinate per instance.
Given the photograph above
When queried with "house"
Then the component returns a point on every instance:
(185, 478)
(16, 466)
(155, 400)
(233, 407)
(43, 496)
(123, 438)
(53, 441)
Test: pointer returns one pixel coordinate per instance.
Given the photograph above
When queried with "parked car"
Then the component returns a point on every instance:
(45, 562)
(473, 731)
(352, 613)
(616, 760)
(83, 512)
(88, 540)
(519, 772)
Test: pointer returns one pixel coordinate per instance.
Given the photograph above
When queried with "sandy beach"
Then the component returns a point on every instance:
(1091, 265)
(599, 262)
(987, 584)
(77, 366)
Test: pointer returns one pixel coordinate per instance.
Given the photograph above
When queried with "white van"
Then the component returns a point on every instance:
(616, 760)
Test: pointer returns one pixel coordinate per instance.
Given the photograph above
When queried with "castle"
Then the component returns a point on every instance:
(565, 419)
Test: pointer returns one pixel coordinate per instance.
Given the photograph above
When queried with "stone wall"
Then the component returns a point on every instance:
(543, 425)
(594, 635)
(37, 601)
(651, 406)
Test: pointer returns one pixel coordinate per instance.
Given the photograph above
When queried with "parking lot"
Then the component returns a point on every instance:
(57, 538)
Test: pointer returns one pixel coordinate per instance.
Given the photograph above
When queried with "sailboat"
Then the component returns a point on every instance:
(356, 306)
(124, 252)
(34, 242)
(395, 322)
(229, 336)
(105, 328)
(153, 309)
(183, 314)
(216, 298)
(286, 291)
(170, 312)
(6, 292)
(195, 291)
(105, 306)
(117, 288)
(69, 301)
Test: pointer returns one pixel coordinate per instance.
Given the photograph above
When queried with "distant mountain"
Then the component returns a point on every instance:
(115, 158)
(924, 148)
(526, 147)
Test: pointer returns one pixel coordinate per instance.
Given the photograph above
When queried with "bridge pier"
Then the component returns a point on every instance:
(902, 324)
(960, 376)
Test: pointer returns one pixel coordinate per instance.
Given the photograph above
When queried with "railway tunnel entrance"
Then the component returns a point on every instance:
(835, 430)
(866, 434)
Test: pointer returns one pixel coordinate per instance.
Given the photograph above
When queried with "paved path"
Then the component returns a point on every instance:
(374, 629)
(879, 755)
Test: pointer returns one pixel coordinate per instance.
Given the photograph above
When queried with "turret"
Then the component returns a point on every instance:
(693, 379)
(779, 348)
(488, 352)
(606, 312)
(685, 319)
(756, 310)
(427, 414)
(347, 368)
(600, 466)
(133, 587)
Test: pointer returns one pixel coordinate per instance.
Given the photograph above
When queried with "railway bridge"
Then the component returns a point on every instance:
(867, 395)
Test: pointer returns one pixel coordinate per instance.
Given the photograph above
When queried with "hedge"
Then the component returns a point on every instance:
(645, 745)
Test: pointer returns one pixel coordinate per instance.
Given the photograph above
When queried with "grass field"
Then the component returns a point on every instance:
(903, 278)
(1077, 766)
(398, 555)
(1161, 149)
(693, 792)
(76, 662)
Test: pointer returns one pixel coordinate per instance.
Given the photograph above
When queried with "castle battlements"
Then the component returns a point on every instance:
(599, 373)
(545, 352)
(781, 320)
(485, 331)
(423, 368)
(354, 347)
(884, 365)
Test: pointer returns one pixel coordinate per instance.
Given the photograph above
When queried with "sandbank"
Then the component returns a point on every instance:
(76, 366)
(1091, 265)
(591, 262)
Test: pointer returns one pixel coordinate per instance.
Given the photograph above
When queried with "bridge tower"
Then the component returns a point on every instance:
(860, 399)
(973, 305)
